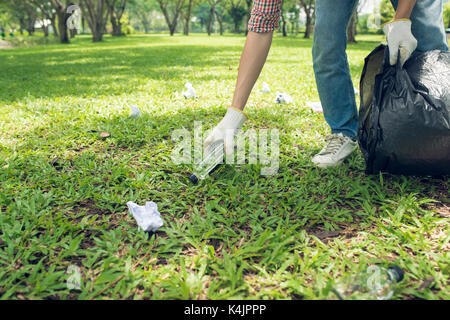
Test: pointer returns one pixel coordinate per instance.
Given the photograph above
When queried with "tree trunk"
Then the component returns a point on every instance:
(210, 21)
(249, 14)
(172, 28)
(72, 33)
(113, 24)
(351, 29)
(97, 15)
(308, 26)
(144, 22)
(98, 28)
(178, 8)
(21, 26)
(116, 25)
(186, 27)
(83, 26)
(283, 23)
(45, 28)
(187, 18)
(30, 26)
(62, 26)
(53, 23)
(220, 20)
(97, 33)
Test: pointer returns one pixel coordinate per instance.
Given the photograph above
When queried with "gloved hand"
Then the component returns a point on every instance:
(227, 129)
(399, 36)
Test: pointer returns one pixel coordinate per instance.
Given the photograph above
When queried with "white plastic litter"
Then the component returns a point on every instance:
(147, 217)
(190, 92)
(283, 98)
(265, 87)
(315, 106)
(135, 112)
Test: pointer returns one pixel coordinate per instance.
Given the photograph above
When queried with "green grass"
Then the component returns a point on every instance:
(20, 41)
(63, 189)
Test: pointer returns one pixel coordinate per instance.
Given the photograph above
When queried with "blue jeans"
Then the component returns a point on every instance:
(331, 68)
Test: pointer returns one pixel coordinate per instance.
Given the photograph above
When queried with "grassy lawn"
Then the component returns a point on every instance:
(64, 189)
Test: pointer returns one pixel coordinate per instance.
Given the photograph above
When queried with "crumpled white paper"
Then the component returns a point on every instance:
(283, 98)
(135, 112)
(147, 217)
(190, 92)
(315, 106)
(265, 87)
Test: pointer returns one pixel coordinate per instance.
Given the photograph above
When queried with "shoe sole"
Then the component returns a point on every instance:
(328, 165)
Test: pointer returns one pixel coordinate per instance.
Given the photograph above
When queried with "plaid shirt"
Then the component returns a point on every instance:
(265, 15)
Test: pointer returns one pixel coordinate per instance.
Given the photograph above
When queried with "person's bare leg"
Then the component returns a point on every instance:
(253, 58)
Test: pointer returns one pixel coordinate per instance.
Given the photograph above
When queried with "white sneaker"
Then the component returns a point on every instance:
(337, 148)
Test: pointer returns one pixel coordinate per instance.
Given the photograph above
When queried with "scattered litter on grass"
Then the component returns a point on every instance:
(104, 135)
(283, 98)
(265, 88)
(190, 92)
(147, 217)
(316, 106)
(135, 112)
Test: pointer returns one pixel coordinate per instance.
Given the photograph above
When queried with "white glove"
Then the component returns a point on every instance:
(399, 36)
(227, 129)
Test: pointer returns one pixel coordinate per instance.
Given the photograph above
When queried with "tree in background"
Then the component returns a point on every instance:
(60, 8)
(293, 16)
(387, 11)
(220, 13)
(362, 26)
(96, 14)
(210, 19)
(237, 12)
(47, 13)
(289, 13)
(351, 29)
(186, 14)
(283, 19)
(447, 14)
(309, 8)
(116, 9)
(141, 10)
(25, 13)
(171, 10)
(249, 5)
(213, 4)
(7, 20)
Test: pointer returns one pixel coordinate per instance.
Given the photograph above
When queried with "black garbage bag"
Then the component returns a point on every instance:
(404, 117)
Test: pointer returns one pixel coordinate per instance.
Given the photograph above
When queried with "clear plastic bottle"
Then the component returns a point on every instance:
(214, 155)
(375, 283)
